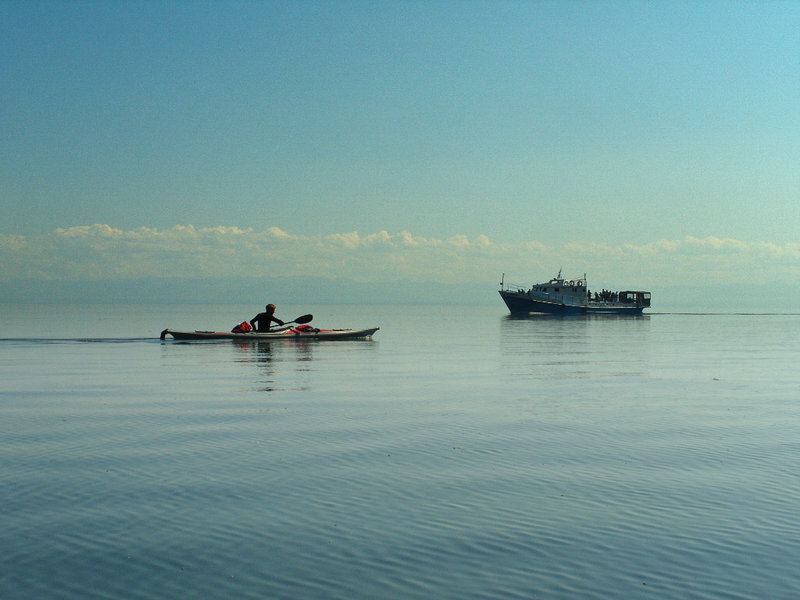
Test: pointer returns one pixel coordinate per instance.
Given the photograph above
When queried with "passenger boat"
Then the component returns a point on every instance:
(561, 296)
(302, 332)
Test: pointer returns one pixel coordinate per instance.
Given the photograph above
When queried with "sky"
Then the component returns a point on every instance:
(646, 144)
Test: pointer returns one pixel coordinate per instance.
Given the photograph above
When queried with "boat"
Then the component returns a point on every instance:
(302, 332)
(561, 296)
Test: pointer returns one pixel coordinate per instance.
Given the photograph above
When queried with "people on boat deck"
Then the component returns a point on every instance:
(606, 296)
(262, 321)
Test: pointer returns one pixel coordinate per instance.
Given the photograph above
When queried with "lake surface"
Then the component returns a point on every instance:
(460, 454)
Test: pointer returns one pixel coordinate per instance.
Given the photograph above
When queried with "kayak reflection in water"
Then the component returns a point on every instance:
(262, 321)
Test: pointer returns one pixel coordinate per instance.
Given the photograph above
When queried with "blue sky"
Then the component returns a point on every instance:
(655, 141)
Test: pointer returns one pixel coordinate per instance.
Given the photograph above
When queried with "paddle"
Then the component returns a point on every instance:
(287, 324)
(301, 320)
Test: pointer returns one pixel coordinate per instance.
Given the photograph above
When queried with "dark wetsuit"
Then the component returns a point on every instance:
(262, 321)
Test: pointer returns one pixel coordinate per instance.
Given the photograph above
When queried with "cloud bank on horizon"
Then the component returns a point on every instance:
(102, 252)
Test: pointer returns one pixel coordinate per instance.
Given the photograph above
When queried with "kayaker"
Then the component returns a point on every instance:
(262, 321)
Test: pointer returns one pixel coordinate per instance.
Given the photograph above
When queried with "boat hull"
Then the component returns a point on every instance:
(289, 335)
(521, 303)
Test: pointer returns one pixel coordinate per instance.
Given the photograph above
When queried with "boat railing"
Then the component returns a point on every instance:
(513, 287)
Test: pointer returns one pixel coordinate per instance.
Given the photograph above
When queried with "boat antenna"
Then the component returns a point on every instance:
(559, 273)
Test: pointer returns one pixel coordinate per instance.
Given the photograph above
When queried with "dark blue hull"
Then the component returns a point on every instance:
(520, 303)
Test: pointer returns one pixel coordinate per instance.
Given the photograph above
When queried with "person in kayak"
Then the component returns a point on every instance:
(262, 321)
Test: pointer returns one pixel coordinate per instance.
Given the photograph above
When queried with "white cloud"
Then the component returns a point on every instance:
(12, 242)
(103, 252)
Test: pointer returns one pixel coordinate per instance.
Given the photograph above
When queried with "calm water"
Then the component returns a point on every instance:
(460, 454)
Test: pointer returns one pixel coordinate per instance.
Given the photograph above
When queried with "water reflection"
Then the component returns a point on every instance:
(293, 365)
(263, 351)
(555, 347)
(274, 360)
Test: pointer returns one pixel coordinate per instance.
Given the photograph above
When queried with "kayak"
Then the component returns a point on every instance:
(293, 333)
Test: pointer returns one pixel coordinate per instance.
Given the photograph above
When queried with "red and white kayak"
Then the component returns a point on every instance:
(301, 332)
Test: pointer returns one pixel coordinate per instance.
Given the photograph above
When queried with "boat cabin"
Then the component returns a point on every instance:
(637, 298)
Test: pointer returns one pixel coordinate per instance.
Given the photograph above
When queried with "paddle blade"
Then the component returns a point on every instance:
(303, 319)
